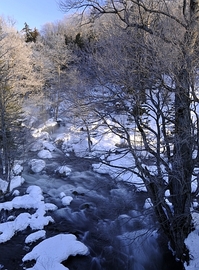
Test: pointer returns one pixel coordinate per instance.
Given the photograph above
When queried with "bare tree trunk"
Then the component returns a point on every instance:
(182, 166)
(88, 135)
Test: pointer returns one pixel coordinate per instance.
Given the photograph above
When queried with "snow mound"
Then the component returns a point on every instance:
(66, 200)
(17, 169)
(51, 252)
(16, 181)
(49, 146)
(35, 236)
(44, 154)
(37, 165)
(36, 146)
(63, 170)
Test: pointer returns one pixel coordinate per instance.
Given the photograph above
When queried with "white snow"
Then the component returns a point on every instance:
(44, 154)
(51, 252)
(49, 146)
(17, 169)
(37, 165)
(148, 203)
(63, 170)
(36, 146)
(192, 242)
(35, 236)
(66, 200)
(16, 181)
(37, 221)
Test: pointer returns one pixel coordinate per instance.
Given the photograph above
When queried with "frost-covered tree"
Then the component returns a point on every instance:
(16, 80)
(59, 56)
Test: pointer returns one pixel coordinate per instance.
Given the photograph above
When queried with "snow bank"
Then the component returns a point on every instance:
(117, 167)
(192, 242)
(51, 252)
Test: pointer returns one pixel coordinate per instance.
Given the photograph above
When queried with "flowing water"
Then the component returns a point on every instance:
(106, 216)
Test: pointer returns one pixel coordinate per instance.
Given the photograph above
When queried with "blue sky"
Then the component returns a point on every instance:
(34, 12)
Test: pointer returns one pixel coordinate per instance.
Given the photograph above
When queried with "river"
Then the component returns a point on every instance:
(106, 215)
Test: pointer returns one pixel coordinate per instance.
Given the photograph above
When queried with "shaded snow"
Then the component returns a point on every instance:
(192, 242)
(37, 221)
(37, 165)
(35, 236)
(16, 181)
(44, 154)
(51, 252)
(63, 170)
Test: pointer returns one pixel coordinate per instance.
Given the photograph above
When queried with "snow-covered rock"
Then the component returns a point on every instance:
(49, 146)
(37, 165)
(61, 138)
(16, 181)
(66, 200)
(3, 185)
(52, 251)
(33, 237)
(17, 169)
(36, 146)
(148, 203)
(42, 135)
(63, 170)
(44, 154)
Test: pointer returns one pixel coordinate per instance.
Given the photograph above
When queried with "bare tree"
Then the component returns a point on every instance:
(169, 104)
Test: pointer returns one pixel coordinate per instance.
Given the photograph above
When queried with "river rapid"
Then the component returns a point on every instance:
(107, 216)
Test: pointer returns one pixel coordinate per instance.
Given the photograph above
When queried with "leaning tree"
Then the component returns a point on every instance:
(169, 136)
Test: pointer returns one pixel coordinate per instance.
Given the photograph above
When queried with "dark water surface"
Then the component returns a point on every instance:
(108, 217)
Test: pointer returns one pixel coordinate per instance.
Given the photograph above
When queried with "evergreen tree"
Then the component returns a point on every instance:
(30, 35)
